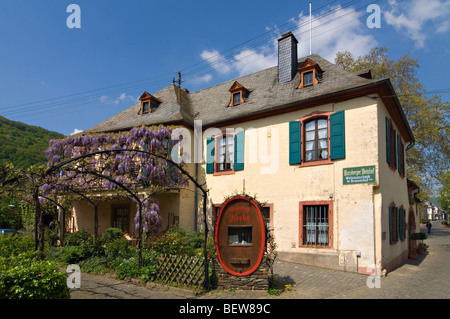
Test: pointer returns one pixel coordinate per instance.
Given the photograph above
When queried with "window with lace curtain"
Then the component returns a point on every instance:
(316, 224)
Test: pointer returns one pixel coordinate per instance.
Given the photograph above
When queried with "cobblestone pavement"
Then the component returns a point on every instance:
(426, 277)
(103, 287)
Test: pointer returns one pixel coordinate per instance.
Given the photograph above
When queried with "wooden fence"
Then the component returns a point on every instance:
(183, 270)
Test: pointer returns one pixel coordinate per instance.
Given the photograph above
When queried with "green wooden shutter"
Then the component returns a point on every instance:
(404, 224)
(174, 152)
(388, 140)
(210, 155)
(391, 226)
(174, 158)
(403, 159)
(239, 143)
(337, 135)
(399, 153)
(395, 228)
(295, 149)
(395, 148)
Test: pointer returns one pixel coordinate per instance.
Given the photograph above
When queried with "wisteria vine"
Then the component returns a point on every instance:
(139, 160)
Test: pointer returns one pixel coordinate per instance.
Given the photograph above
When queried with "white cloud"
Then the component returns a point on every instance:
(217, 61)
(249, 61)
(336, 29)
(244, 62)
(200, 79)
(117, 100)
(76, 131)
(419, 18)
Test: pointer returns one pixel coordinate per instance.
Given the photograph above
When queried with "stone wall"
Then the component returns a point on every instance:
(258, 280)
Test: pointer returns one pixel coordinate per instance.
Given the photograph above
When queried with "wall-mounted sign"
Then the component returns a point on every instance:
(359, 175)
(240, 236)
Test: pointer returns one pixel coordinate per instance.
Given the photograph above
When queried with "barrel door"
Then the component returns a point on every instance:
(240, 236)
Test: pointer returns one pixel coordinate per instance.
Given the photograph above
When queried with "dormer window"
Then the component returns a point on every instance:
(310, 73)
(239, 94)
(148, 103)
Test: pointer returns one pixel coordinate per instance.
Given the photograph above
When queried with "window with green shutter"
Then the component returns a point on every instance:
(317, 138)
(225, 153)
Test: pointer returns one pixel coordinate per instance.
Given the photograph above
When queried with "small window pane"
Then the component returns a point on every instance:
(323, 133)
(322, 124)
(310, 146)
(323, 154)
(310, 156)
(239, 235)
(236, 98)
(323, 144)
(310, 126)
(310, 136)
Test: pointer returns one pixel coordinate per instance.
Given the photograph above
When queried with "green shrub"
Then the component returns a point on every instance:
(128, 268)
(78, 238)
(118, 248)
(111, 234)
(94, 265)
(72, 255)
(14, 245)
(149, 268)
(54, 253)
(51, 236)
(178, 241)
(23, 276)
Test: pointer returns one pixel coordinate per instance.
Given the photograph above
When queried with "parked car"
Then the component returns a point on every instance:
(8, 232)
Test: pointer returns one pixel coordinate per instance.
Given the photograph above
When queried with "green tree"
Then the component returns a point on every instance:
(428, 115)
(9, 213)
(22, 144)
(25, 185)
(444, 194)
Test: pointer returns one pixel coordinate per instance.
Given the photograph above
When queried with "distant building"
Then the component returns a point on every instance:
(434, 210)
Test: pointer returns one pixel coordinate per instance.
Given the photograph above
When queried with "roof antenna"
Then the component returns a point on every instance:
(310, 30)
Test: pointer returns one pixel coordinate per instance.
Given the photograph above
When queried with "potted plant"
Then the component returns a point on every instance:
(421, 246)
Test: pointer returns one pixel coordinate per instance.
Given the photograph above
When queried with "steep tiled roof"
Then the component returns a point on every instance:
(211, 104)
(169, 111)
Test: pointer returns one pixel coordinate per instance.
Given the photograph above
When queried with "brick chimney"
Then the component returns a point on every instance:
(287, 57)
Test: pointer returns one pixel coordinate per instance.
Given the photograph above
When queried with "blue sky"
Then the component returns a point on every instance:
(66, 79)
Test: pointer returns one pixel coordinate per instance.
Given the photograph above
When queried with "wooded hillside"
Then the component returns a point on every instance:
(24, 145)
